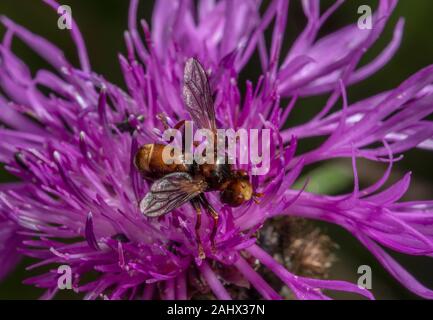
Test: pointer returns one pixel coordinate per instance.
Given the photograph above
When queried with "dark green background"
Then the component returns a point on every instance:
(103, 22)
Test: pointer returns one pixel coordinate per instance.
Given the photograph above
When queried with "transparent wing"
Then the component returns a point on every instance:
(170, 192)
(197, 95)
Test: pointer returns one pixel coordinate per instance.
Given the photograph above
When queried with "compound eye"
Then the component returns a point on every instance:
(232, 195)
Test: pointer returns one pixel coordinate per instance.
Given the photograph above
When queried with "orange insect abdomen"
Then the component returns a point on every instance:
(150, 162)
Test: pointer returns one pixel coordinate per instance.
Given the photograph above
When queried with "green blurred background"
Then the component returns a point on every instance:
(103, 22)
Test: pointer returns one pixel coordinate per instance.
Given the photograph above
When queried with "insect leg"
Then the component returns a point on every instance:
(179, 125)
(162, 117)
(214, 214)
(196, 204)
(257, 196)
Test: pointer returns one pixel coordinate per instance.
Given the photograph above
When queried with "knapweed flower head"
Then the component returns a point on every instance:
(70, 137)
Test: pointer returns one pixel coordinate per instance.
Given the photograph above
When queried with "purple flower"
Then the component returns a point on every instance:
(71, 136)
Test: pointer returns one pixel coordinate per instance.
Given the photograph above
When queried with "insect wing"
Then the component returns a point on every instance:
(197, 95)
(170, 192)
